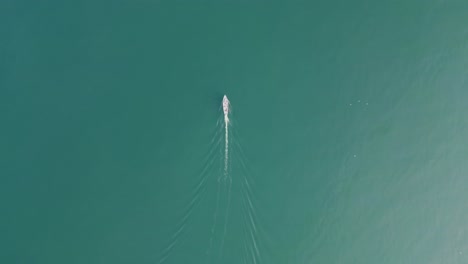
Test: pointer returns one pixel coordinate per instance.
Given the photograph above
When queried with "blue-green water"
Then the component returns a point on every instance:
(347, 142)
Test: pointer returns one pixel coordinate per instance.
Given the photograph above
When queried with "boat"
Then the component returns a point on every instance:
(225, 105)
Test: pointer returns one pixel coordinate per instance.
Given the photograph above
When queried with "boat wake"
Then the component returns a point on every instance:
(250, 251)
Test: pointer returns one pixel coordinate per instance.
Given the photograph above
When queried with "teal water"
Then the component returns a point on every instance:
(347, 142)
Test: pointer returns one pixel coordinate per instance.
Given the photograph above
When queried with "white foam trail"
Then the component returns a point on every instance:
(224, 174)
(226, 110)
(227, 178)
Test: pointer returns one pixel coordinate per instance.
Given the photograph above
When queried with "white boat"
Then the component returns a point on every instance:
(225, 105)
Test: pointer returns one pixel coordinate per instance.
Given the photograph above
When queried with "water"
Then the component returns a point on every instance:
(346, 139)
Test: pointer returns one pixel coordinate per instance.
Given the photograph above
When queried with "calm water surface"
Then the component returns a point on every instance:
(347, 142)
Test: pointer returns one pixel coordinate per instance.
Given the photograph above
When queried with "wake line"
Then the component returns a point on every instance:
(197, 195)
(227, 178)
(224, 183)
(226, 105)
